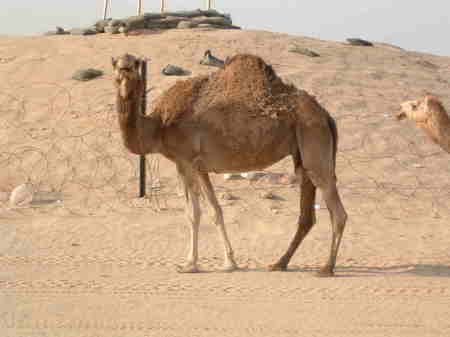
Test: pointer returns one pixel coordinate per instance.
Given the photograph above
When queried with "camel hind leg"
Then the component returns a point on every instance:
(338, 219)
(318, 146)
(307, 217)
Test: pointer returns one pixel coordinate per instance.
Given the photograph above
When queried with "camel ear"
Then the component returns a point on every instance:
(113, 62)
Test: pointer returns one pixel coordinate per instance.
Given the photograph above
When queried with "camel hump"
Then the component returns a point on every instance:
(250, 63)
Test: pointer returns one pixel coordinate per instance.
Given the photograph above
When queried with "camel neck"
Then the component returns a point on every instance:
(438, 128)
(139, 132)
(443, 126)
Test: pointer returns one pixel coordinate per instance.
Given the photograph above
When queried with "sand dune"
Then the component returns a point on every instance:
(87, 258)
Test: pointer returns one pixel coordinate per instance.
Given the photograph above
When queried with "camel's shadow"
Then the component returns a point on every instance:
(425, 270)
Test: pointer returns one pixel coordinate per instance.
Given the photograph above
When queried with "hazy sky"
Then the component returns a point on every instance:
(411, 24)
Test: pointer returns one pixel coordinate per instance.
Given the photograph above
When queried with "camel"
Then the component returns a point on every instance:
(240, 118)
(430, 116)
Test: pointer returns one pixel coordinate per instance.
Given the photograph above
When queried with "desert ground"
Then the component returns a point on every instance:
(89, 258)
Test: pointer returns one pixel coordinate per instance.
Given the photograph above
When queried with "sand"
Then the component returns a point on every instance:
(87, 258)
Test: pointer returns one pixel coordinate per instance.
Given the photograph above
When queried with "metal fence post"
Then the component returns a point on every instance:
(105, 9)
(142, 166)
(139, 9)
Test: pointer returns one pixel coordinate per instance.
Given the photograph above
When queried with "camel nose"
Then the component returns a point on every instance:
(399, 115)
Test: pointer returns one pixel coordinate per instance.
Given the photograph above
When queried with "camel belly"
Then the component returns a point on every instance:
(253, 150)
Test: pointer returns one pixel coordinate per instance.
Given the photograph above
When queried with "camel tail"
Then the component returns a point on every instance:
(334, 134)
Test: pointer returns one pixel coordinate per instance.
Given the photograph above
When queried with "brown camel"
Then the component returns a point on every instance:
(429, 115)
(238, 119)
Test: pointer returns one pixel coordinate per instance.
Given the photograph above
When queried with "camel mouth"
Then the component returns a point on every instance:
(400, 115)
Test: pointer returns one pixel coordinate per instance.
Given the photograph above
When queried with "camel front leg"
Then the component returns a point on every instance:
(229, 264)
(193, 214)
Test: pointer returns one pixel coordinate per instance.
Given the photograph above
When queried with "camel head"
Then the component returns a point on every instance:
(413, 110)
(419, 110)
(126, 74)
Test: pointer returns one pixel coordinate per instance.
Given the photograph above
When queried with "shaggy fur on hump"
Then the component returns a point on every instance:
(247, 90)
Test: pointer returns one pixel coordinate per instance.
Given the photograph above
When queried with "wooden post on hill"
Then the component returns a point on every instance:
(105, 9)
(142, 168)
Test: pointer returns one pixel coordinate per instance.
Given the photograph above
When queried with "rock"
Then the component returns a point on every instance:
(136, 22)
(57, 31)
(86, 74)
(288, 179)
(186, 14)
(303, 51)
(210, 60)
(124, 29)
(166, 23)
(152, 16)
(171, 70)
(83, 31)
(61, 31)
(210, 19)
(116, 23)
(228, 196)
(156, 184)
(218, 20)
(213, 12)
(268, 195)
(280, 178)
(100, 25)
(359, 42)
(112, 29)
(22, 195)
(186, 25)
(233, 176)
(253, 176)
(206, 26)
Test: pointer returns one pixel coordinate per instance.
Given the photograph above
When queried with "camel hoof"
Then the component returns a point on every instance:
(188, 269)
(325, 272)
(229, 267)
(277, 267)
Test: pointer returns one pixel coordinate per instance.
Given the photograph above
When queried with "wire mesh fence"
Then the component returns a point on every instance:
(77, 164)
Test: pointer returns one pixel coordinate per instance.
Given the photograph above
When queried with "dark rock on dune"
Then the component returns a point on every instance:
(57, 31)
(171, 70)
(83, 31)
(136, 22)
(100, 25)
(303, 51)
(359, 42)
(86, 74)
